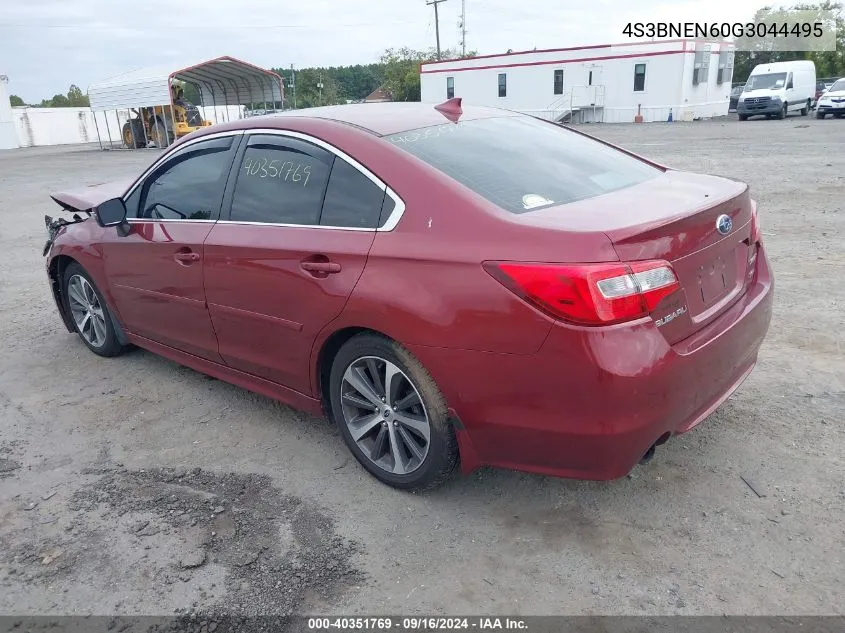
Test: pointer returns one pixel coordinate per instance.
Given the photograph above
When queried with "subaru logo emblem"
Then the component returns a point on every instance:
(724, 224)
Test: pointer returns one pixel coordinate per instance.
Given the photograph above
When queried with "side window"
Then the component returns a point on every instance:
(450, 87)
(789, 85)
(189, 186)
(639, 77)
(558, 82)
(352, 199)
(280, 181)
(503, 85)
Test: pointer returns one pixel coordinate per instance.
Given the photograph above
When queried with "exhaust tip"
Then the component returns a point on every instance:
(649, 455)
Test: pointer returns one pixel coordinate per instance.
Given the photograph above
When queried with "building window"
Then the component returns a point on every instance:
(558, 82)
(503, 85)
(701, 65)
(590, 79)
(639, 77)
(726, 67)
(450, 87)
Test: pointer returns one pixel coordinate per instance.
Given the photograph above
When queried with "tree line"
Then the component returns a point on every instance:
(396, 72)
(828, 63)
(73, 99)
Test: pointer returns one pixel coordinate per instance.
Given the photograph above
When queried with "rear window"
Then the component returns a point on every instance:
(521, 164)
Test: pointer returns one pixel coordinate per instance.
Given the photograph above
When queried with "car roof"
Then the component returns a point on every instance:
(379, 118)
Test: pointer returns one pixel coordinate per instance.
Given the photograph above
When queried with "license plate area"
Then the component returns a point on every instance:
(713, 281)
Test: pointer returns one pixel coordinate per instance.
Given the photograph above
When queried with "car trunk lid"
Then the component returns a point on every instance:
(673, 217)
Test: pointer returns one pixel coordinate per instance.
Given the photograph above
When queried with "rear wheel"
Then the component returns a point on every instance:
(391, 414)
(159, 133)
(89, 312)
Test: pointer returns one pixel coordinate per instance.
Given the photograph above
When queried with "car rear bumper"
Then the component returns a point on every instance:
(592, 402)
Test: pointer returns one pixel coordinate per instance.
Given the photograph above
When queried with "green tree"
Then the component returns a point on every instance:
(75, 98)
(58, 101)
(402, 70)
(15, 100)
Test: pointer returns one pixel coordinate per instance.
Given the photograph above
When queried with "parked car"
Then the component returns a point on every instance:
(734, 99)
(832, 101)
(777, 89)
(449, 285)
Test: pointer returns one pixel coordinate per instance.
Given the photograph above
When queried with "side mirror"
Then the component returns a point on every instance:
(111, 213)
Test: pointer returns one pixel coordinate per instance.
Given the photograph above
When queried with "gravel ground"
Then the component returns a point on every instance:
(136, 486)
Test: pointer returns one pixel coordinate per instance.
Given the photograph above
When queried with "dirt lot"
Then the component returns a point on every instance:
(135, 486)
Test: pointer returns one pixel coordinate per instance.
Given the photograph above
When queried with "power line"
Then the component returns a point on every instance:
(436, 22)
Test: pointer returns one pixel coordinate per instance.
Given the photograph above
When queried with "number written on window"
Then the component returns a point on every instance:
(281, 184)
(285, 171)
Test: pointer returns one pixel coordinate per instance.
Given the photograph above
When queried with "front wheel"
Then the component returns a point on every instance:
(819, 115)
(391, 414)
(91, 317)
(783, 111)
(159, 134)
(806, 109)
(743, 117)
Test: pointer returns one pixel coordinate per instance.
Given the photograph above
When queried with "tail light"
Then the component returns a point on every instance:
(589, 294)
(756, 234)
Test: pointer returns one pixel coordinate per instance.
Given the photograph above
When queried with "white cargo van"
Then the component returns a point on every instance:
(777, 89)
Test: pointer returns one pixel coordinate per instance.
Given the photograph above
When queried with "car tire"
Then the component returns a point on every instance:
(783, 112)
(806, 109)
(743, 117)
(397, 454)
(819, 115)
(159, 134)
(133, 134)
(97, 330)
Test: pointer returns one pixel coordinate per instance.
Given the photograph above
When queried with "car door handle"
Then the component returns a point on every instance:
(186, 258)
(326, 268)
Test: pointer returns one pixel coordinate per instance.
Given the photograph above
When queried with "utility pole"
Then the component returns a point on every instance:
(463, 28)
(320, 86)
(436, 23)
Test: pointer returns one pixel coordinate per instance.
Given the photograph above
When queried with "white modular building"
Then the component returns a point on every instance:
(610, 83)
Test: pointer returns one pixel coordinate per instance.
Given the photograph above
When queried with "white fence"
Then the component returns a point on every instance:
(61, 126)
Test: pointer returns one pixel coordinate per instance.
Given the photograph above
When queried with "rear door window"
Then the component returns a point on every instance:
(520, 163)
(280, 180)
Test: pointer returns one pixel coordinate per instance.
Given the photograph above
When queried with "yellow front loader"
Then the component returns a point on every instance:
(159, 126)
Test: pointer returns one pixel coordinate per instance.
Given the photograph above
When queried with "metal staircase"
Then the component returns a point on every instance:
(572, 104)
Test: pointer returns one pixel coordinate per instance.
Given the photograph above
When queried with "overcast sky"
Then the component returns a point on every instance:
(45, 45)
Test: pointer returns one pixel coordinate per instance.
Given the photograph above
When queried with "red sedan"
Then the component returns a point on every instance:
(449, 285)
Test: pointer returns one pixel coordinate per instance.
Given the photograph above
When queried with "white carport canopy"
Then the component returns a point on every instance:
(221, 81)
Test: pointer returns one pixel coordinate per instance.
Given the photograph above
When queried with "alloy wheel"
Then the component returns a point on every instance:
(87, 311)
(385, 415)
